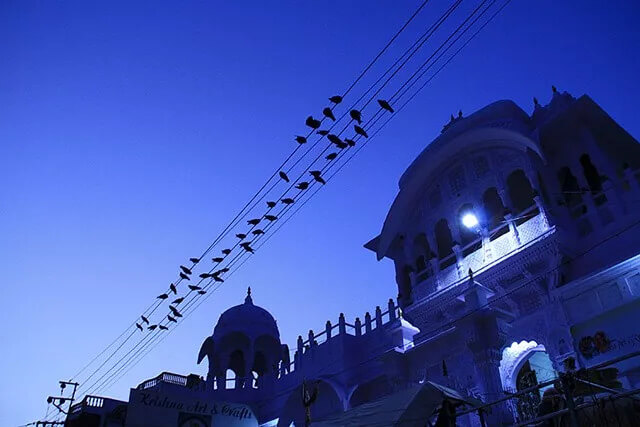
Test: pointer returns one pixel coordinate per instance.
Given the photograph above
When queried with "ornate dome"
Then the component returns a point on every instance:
(247, 318)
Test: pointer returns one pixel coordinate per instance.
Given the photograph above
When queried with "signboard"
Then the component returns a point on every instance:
(152, 408)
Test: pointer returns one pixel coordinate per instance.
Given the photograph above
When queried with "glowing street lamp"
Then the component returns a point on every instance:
(470, 221)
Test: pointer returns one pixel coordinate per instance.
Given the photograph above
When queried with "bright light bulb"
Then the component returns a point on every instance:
(469, 220)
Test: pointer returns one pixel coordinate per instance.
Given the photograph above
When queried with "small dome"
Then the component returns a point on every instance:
(251, 320)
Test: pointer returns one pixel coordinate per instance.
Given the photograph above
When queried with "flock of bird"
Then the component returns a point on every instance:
(185, 273)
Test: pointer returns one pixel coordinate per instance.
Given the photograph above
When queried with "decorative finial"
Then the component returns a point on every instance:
(452, 118)
(248, 299)
(459, 114)
(535, 101)
(554, 89)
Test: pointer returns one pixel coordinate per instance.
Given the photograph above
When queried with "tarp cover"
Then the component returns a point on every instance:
(410, 407)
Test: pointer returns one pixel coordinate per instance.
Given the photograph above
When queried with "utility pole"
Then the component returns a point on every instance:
(60, 401)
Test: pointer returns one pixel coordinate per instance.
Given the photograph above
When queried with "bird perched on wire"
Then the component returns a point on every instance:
(152, 327)
(312, 123)
(336, 99)
(185, 269)
(350, 142)
(287, 200)
(194, 287)
(226, 251)
(173, 289)
(217, 259)
(205, 275)
(162, 328)
(139, 327)
(194, 260)
(248, 248)
(329, 114)
(175, 311)
(302, 185)
(254, 221)
(323, 132)
(270, 217)
(241, 235)
(145, 320)
(218, 279)
(222, 270)
(334, 139)
(178, 300)
(271, 205)
(171, 319)
(163, 296)
(331, 156)
(283, 176)
(202, 292)
(385, 105)
(257, 232)
(317, 177)
(360, 131)
(301, 139)
(356, 115)
(184, 276)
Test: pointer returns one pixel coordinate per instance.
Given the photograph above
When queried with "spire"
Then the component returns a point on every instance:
(248, 299)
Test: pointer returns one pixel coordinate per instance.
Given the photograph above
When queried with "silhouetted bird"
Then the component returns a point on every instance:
(163, 296)
(185, 269)
(317, 177)
(175, 311)
(152, 327)
(356, 115)
(334, 139)
(337, 99)
(287, 201)
(201, 292)
(194, 260)
(205, 275)
(184, 276)
(178, 300)
(284, 176)
(139, 327)
(270, 217)
(384, 104)
(331, 156)
(194, 287)
(255, 221)
(163, 328)
(360, 131)
(342, 145)
(222, 270)
(217, 259)
(171, 319)
(248, 249)
(173, 289)
(241, 235)
(218, 279)
(257, 232)
(351, 142)
(226, 251)
(301, 139)
(329, 114)
(145, 320)
(323, 132)
(312, 123)
(303, 185)
(271, 205)
(554, 89)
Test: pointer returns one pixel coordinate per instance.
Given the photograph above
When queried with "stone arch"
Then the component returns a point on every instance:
(370, 390)
(514, 357)
(444, 239)
(493, 208)
(421, 252)
(569, 187)
(520, 190)
(329, 401)
(591, 173)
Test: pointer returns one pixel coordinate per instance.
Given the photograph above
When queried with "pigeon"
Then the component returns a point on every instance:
(270, 217)
(171, 319)
(271, 205)
(185, 269)
(317, 177)
(163, 328)
(163, 296)
(175, 311)
(217, 259)
(139, 327)
(255, 221)
(194, 287)
(223, 270)
(178, 300)
(226, 251)
(312, 123)
(152, 327)
(356, 115)
(301, 139)
(257, 232)
(243, 244)
(303, 185)
(329, 114)
(384, 104)
(145, 320)
(323, 132)
(218, 279)
(350, 142)
(205, 275)
(360, 131)
(194, 260)
(337, 99)
(342, 145)
(331, 156)
(184, 276)
(334, 139)
(287, 201)
(241, 235)
(173, 289)
(284, 176)
(248, 249)
(201, 292)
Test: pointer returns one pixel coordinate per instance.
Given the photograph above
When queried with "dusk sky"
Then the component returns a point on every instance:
(132, 132)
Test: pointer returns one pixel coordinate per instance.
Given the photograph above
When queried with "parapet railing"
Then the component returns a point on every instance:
(165, 377)
(87, 402)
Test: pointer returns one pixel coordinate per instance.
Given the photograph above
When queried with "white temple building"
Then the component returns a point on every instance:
(516, 244)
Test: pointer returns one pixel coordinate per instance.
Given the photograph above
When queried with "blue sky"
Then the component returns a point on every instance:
(130, 134)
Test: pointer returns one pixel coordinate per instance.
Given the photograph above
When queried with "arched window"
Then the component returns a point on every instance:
(569, 186)
(443, 238)
(493, 208)
(520, 191)
(231, 378)
(421, 252)
(591, 173)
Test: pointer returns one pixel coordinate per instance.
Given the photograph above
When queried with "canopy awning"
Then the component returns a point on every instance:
(412, 406)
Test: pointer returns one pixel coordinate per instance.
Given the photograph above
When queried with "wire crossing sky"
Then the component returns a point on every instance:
(134, 134)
